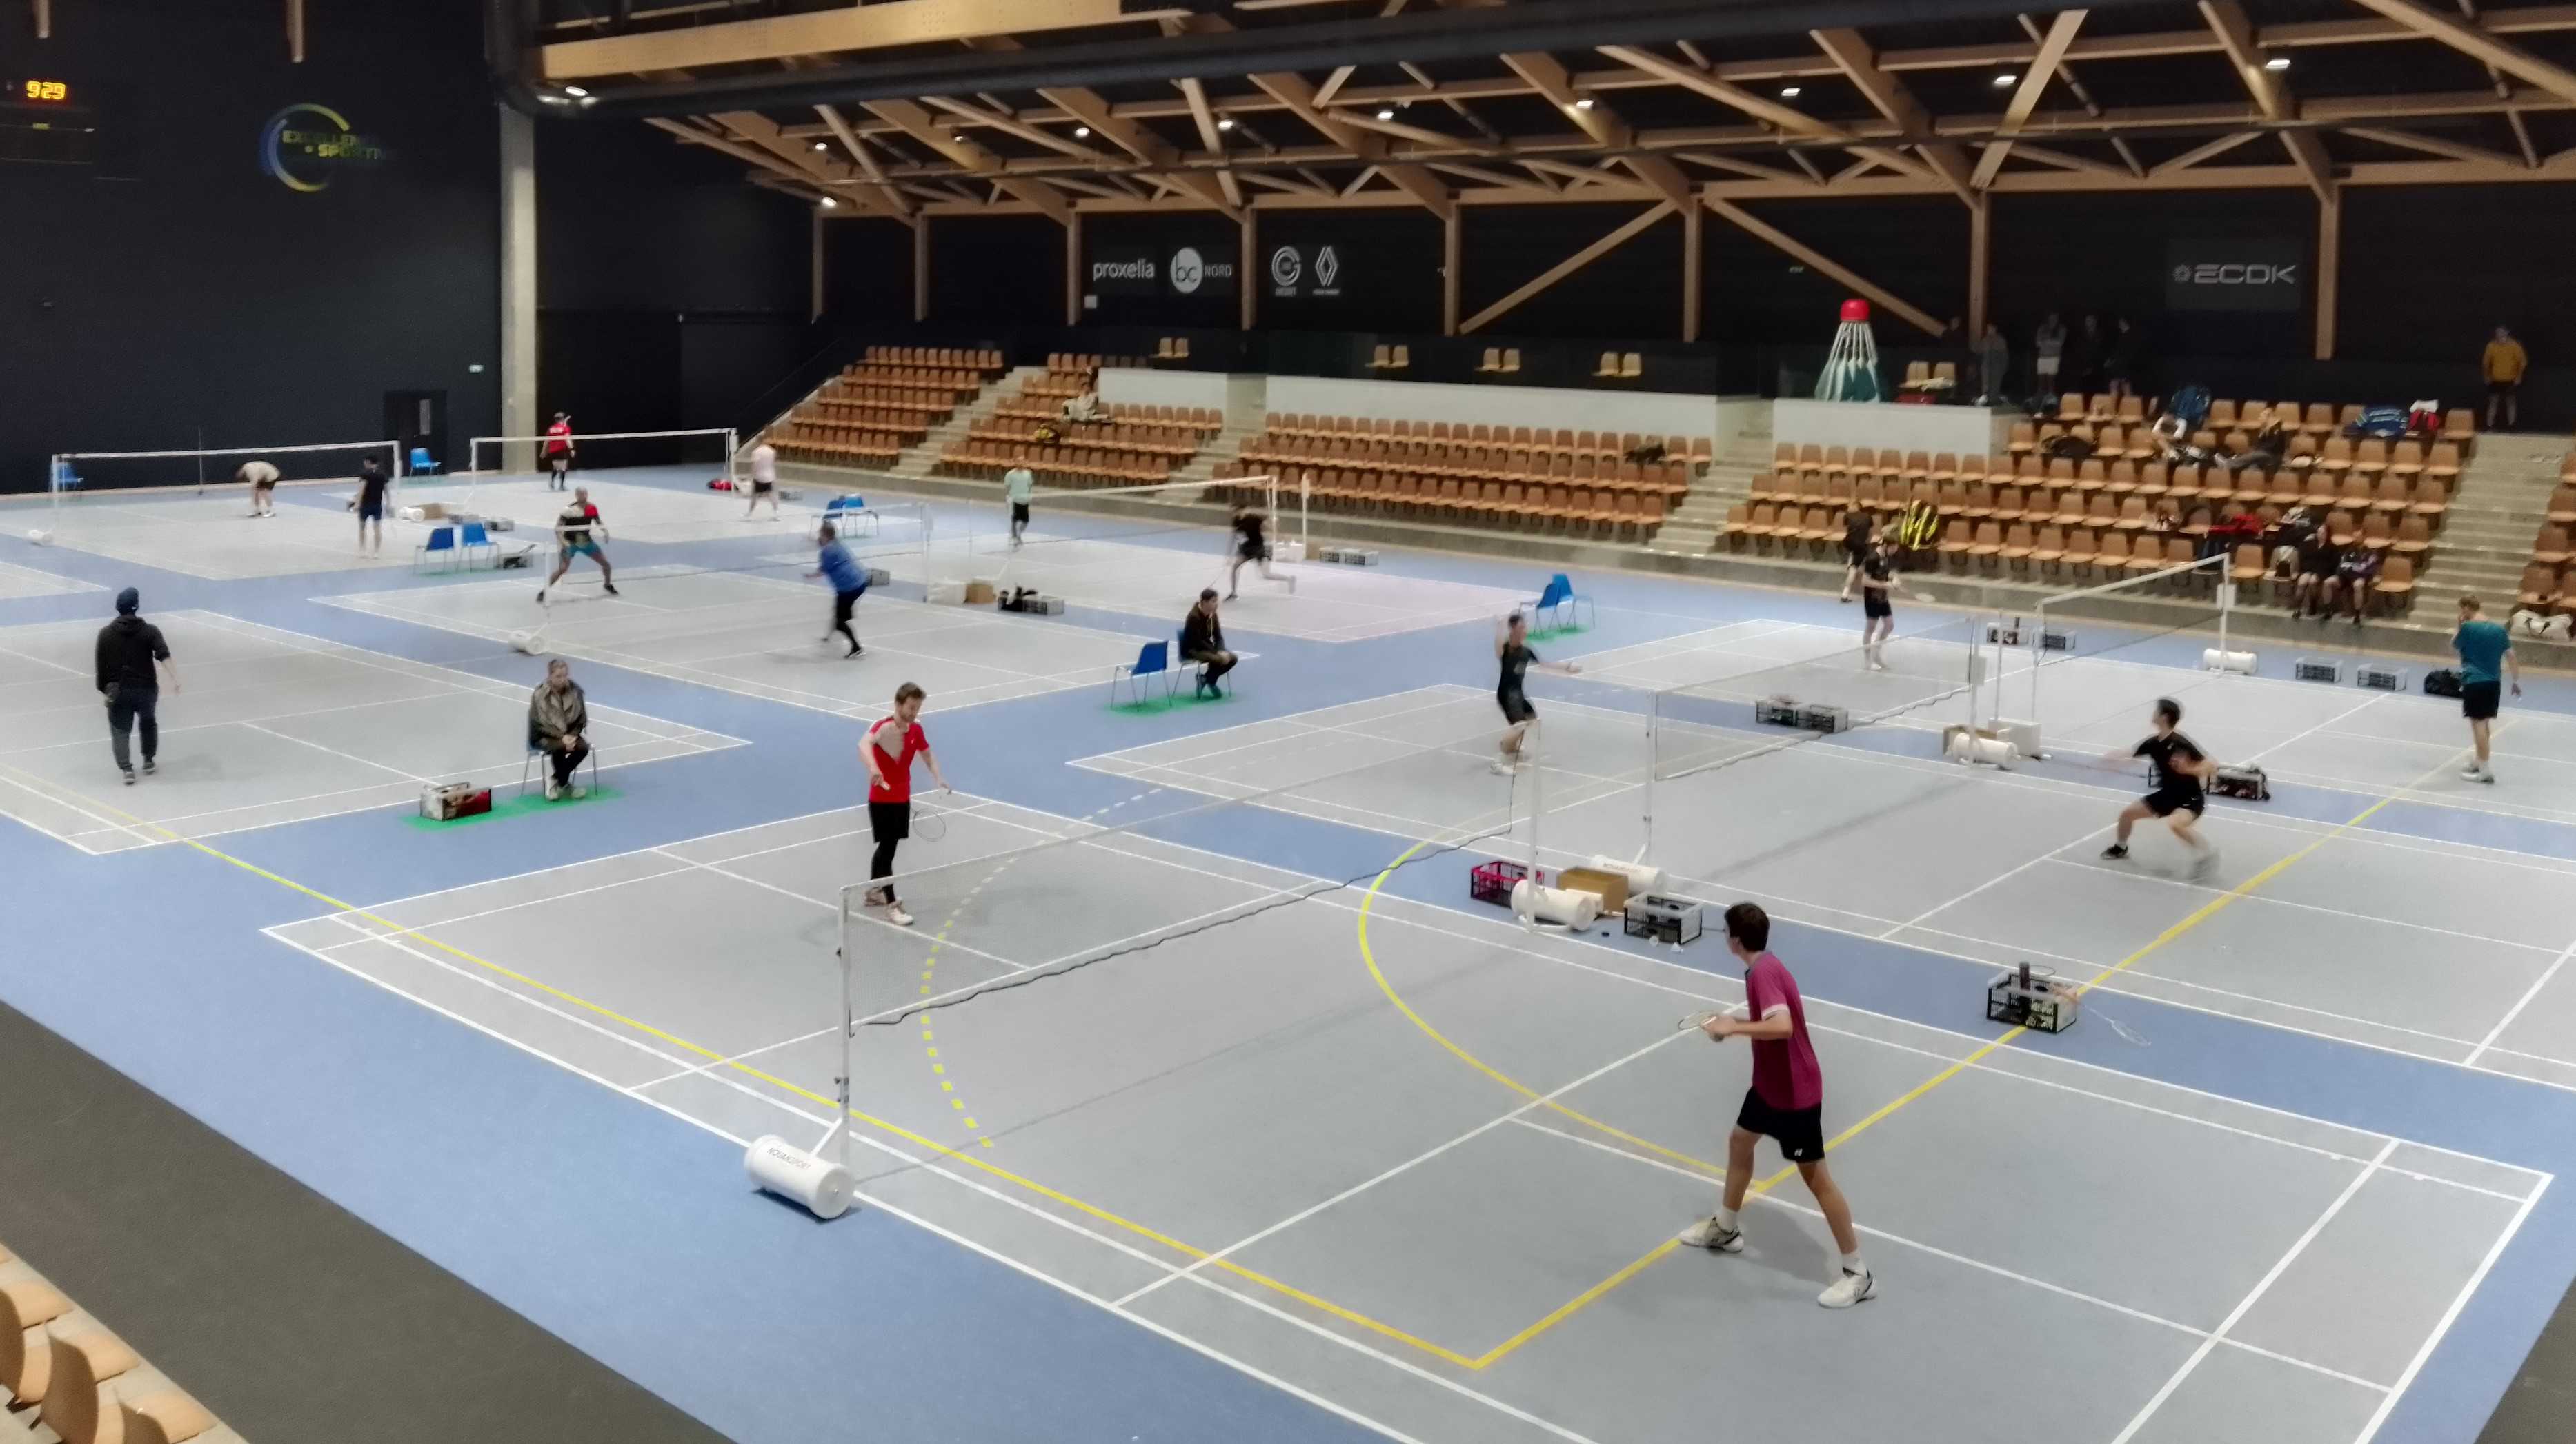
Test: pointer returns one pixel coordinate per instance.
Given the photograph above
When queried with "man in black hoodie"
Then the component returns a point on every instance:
(1203, 642)
(131, 658)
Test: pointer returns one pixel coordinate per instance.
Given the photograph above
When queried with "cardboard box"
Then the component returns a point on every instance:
(980, 593)
(1610, 887)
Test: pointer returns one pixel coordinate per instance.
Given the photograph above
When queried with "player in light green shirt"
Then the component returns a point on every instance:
(1018, 485)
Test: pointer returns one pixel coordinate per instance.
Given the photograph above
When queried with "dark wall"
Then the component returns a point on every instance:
(1117, 240)
(1386, 271)
(867, 273)
(670, 293)
(1633, 292)
(996, 270)
(2436, 273)
(1753, 293)
(203, 296)
(2107, 254)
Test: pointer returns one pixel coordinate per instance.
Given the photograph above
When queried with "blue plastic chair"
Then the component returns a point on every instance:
(476, 537)
(1558, 605)
(844, 512)
(441, 539)
(422, 464)
(1154, 659)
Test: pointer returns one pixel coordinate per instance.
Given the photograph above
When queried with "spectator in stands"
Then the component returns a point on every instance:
(1084, 408)
(2349, 589)
(2503, 365)
(1203, 642)
(2313, 586)
(2047, 353)
(2084, 355)
(559, 726)
(1994, 362)
(2120, 360)
(130, 650)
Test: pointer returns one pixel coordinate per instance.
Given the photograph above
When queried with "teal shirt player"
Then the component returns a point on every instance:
(2482, 645)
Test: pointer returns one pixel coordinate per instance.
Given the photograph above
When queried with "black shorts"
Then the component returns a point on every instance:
(1516, 708)
(2166, 801)
(762, 488)
(559, 461)
(1800, 1132)
(1253, 551)
(1875, 604)
(2479, 701)
(1855, 553)
(889, 821)
(1019, 513)
(2503, 388)
(374, 513)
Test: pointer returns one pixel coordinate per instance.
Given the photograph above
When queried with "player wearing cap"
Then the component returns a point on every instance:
(130, 650)
(1786, 1104)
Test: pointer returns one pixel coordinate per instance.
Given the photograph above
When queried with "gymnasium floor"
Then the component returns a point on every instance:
(1342, 1154)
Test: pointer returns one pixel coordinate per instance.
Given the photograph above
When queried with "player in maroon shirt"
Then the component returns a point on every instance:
(1785, 1104)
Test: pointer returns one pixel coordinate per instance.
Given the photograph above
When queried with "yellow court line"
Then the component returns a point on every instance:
(941, 1150)
(1662, 1250)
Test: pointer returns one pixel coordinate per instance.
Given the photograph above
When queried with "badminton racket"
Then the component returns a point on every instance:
(1703, 1018)
(929, 824)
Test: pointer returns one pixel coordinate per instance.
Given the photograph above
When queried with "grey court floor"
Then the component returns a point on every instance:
(18, 581)
(270, 727)
(630, 511)
(2001, 867)
(1426, 1167)
(757, 635)
(1331, 602)
(214, 536)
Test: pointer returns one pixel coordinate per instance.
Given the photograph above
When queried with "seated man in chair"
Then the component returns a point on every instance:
(559, 726)
(1203, 642)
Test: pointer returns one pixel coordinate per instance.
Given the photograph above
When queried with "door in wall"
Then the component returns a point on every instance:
(418, 419)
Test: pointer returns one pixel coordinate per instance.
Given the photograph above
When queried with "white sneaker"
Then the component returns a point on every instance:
(1848, 1290)
(554, 790)
(897, 916)
(576, 793)
(1709, 1234)
(2205, 865)
(1500, 768)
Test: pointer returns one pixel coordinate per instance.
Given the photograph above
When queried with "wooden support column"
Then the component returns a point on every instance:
(1247, 281)
(44, 19)
(295, 31)
(1073, 269)
(1693, 259)
(1568, 267)
(814, 281)
(921, 270)
(1981, 268)
(1817, 261)
(1449, 248)
(2329, 268)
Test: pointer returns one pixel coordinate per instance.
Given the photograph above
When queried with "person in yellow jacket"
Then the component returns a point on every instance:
(2503, 365)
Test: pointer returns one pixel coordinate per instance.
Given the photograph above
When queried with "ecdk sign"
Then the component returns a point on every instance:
(2257, 275)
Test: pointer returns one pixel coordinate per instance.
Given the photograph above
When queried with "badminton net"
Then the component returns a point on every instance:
(1105, 545)
(74, 473)
(1818, 688)
(2096, 658)
(695, 456)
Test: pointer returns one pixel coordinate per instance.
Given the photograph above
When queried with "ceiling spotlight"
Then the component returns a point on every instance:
(1225, 122)
(1386, 112)
(818, 145)
(1789, 92)
(2006, 79)
(1584, 104)
(830, 204)
(2277, 63)
(1082, 132)
(575, 91)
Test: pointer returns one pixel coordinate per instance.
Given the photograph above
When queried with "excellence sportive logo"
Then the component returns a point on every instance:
(303, 146)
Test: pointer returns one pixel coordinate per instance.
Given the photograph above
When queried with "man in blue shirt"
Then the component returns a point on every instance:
(849, 583)
(2486, 656)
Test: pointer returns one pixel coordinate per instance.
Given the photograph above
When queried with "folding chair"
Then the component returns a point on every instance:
(1154, 659)
(531, 765)
(441, 539)
(1558, 596)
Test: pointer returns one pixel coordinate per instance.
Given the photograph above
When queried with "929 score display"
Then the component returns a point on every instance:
(40, 92)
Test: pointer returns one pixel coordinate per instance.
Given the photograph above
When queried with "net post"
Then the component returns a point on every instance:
(733, 456)
(1305, 523)
(1538, 773)
(1654, 746)
(2225, 586)
(836, 1141)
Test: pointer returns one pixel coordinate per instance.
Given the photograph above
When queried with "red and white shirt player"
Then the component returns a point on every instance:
(558, 450)
(889, 749)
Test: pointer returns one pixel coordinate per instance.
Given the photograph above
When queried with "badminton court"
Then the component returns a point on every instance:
(1426, 1167)
(268, 727)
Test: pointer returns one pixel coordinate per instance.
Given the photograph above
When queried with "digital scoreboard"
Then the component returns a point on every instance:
(47, 120)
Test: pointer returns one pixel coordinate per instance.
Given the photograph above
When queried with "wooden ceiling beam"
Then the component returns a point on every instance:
(1211, 136)
(2474, 40)
(2235, 34)
(1820, 263)
(866, 160)
(2432, 145)
(1093, 110)
(827, 32)
(2026, 96)
(1851, 55)
(2199, 153)
(1294, 92)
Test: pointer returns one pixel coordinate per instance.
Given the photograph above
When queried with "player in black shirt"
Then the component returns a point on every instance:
(1250, 546)
(1512, 649)
(577, 532)
(369, 504)
(1877, 612)
(2180, 772)
(1859, 531)
(132, 656)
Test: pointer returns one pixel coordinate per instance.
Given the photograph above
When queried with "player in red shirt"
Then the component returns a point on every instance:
(889, 749)
(558, 450)
(1786, 1104)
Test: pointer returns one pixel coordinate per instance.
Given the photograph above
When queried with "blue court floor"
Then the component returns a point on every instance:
(1342, 1154)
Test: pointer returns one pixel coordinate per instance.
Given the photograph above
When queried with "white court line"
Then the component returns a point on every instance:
(2450, 1316)
(1999, 878)
(40, 661)
(335, 752)
(2487, 1044)
(2327, 724)
(2253, 1297)
(996, 1255)
(2187, 885)
(1407, 1166)
(1775, 1199)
